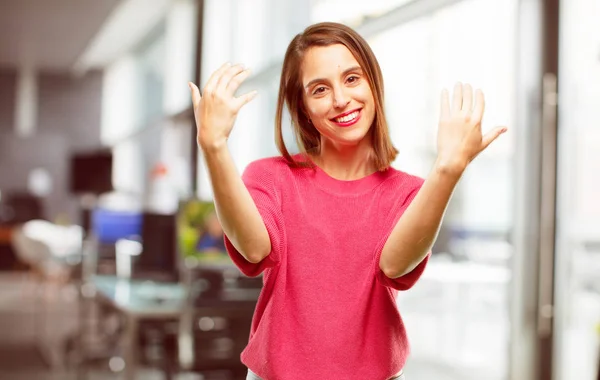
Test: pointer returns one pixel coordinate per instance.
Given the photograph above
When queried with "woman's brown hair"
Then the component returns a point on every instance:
(291, 92)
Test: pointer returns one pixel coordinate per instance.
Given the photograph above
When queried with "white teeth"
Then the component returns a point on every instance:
(347, 118)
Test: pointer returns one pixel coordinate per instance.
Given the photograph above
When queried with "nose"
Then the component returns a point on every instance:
(340, 98)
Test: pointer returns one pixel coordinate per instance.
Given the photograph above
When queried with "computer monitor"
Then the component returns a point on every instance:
(111, 225)
(159, 256)
(91, 172)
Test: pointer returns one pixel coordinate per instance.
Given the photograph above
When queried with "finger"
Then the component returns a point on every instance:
(195, 94)
(479, 106)
(237, 80)
(467, 104)
(242, 100)
(491, 136)
(445, 105)
(227, 75)
(457, 97)
(212, 82)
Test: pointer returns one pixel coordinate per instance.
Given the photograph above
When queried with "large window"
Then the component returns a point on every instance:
(145, 90)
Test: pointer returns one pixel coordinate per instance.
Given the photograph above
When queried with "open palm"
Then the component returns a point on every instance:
(217, 108)
(460, 139)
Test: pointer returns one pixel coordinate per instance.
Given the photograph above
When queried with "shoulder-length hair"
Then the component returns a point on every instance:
(291, 93)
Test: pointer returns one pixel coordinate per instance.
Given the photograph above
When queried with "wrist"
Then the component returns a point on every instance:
(215, 157)
(212, 147)
(450, 167)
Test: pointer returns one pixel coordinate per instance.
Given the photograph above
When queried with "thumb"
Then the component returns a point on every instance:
(491, 136)
(245, 99)
(195, 93)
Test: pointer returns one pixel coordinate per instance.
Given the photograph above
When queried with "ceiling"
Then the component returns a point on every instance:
(49, 34)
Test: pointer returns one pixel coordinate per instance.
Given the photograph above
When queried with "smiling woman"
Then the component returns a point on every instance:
(340, 103)
(331, 72)
(336, 230)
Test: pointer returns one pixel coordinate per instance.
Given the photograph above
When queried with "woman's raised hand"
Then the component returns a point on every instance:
(459, 132)
(217, 108)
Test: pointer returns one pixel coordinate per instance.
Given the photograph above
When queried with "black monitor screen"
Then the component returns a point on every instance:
(91, 173)
(159, 252)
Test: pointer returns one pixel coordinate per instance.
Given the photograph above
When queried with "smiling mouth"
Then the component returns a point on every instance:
(348, 119)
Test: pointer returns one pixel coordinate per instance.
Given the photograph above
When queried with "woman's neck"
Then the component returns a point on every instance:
(346, 163)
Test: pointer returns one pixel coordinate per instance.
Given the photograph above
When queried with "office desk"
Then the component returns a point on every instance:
(142, 298)
(139, 300)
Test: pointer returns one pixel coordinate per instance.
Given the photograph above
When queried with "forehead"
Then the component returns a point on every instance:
(326, 62)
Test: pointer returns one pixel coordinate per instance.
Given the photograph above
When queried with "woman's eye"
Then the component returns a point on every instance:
(319, 90)
(352, 79)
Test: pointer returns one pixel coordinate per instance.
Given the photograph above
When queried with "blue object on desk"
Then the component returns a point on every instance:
(110, 226)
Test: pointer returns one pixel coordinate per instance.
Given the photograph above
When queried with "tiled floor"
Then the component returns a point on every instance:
(439, 352)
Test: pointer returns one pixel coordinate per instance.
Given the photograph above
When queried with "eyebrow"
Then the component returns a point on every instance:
(346, 72)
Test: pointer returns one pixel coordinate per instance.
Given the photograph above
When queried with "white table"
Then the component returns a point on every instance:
(139, 300)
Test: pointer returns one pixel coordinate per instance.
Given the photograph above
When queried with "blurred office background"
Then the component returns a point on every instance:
(100, 177)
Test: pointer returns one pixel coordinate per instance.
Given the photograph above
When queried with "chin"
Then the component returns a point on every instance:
(352, 139)
(346, 136)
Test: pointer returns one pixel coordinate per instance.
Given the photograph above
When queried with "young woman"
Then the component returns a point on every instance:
(336, 230)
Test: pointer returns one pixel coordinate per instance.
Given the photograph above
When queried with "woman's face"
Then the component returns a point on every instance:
(337, 95)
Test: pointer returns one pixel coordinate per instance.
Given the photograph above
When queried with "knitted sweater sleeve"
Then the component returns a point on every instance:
(408, 280)
(261, 182)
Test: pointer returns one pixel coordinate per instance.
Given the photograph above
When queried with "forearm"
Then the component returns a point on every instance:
(416, 231)
(235, 208)
(459, 141)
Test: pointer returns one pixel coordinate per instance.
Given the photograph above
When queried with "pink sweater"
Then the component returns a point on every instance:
(326, 310)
